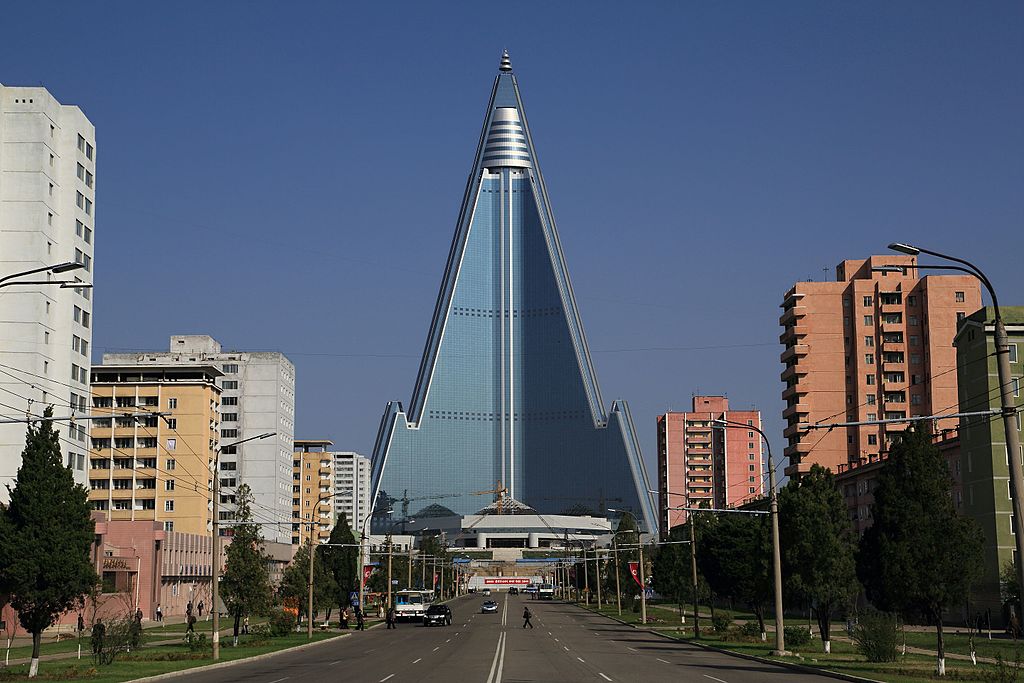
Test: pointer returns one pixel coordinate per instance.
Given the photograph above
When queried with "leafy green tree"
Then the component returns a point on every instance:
(245, 586)
(918, 556)
(734, 554)
(46, 534)
(626, 537)
(341, 559)
(1009, 586)
(671, 569)
(818, 546)
(295, 582)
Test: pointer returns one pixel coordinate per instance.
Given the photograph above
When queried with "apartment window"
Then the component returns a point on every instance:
(79, 198)
(868, 301)
(846, 302)
(1016, 387)
(230, 384)
(869, 358)
(911, 300)
(46, 337)
(914, 340)
(912, 320)
(169, 526)
(170, 464)
(168, 506)
(893, 318)
(88, 236)
(869, 342)
(960, 297)
(229, 417)
(750, 446)
(172, 444)
(51, 161)
(915, 359)
(872, 439)
(870, 399)
(51, 189)
(229, 433)
(872, 416)
(870, 379)
(229, 401)
(172, 423)
(169, 485)
(88, 179)
(88, 207)
(228, 466)
(751, 467)
(81, 144)
(88, 151)
(80, 171)
(1013, 353)
(915, 399)
(85, 348)
(846, 321)
(85, 318)
(230, 368)
(960, 315)
(869, 320)
(49, 221)
(751, 456)
(172, 403)
(752, 490)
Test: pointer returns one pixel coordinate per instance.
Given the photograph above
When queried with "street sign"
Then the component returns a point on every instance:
(394, 582)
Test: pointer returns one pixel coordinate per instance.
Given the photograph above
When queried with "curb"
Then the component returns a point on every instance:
(243, 660)
(793, 666)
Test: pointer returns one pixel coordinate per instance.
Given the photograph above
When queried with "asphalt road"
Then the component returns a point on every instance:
(567, 644)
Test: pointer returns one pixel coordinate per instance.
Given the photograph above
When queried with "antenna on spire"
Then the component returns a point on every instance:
(506, 62)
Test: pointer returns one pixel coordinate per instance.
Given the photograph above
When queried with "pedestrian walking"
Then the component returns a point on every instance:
(360, 619)
(191, 624)
(188, 609)
(81, 624)
(245, 626)
(527, 615)
(201, 609)
(98, 632)
(380, 610)
(344, 618)
(159, 614)
(392, 617)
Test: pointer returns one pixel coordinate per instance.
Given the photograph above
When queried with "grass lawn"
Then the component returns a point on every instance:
(843, 658)
(156, 660)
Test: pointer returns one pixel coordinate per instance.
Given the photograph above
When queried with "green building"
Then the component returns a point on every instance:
(984, 467)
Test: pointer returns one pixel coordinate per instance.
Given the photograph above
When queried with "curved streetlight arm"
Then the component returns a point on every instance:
(55, 268)
(973, 269)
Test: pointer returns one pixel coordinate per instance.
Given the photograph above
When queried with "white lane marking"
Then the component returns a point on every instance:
(565, 648)
(280, 679)
(631, 648)
(448, 641)
(549, 633)
(557, 640)
(337, 661)
(417, 661)
(501, 662)
(581, 659)
(662, 660)
(603, 676)
(715, 679)
(499, 659)
(386, 678)
(437, 648)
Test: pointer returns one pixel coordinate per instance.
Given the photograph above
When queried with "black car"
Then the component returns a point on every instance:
(439, 615)
(513, 590)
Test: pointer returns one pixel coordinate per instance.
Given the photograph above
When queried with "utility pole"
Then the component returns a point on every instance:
(391, 544)
(309, 587)
(643, 581)
(597, 572)
(409, 578)
(693, 571)
(618, 589)
(586, 576)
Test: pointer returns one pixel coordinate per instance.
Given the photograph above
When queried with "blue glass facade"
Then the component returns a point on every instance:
(506, 390)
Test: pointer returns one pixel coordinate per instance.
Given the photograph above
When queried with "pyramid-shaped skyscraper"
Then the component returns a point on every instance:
(506, 390)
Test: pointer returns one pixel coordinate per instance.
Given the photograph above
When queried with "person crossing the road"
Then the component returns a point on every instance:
(392, 617)
(360, 619)
(527, 615)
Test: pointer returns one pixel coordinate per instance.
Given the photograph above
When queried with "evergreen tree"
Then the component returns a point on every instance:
(295, 582)
(627, 538)
(918, 556)
(245, 585)
(818, 549)
(341, 560)
(734, 553)
(46, 535)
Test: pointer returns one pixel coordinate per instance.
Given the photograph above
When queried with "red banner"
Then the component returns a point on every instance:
(435, 579)
(634, 570)
(367, 570)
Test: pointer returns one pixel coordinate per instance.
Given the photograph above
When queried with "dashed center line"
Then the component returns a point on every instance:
(565, 648)
(417, 661)
(603, 676)
(386, 678)
(437, 648)
(662, 660)
(581, 659)
(715, 679)
(633, 649)
(280, 679)
(448, 641)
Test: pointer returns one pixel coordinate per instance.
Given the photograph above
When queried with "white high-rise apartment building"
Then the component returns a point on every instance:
(257, 396)
(352, 487)
(47, 211)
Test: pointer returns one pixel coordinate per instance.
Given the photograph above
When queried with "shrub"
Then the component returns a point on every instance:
(282, 622)
(751, 629)
(877, 636)
(721, 623)
(261, 631)
(197, 642)
(797, 635)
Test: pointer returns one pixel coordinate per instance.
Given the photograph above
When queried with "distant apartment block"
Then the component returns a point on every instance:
(257, 396)
(148, 467)
(702, 465)
(47, 212)
(875, 344)
(313, 491)
(352, 485)
(984, 466)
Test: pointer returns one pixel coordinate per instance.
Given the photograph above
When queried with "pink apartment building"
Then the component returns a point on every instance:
(875, 344)
(702, 465)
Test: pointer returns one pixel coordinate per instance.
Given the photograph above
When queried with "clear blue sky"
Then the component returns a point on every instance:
(287, 175)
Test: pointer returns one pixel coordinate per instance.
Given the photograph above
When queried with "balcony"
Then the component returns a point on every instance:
(801, 448)
(792, 371)
(790, 392)
(798, 408)
(890, 308)
(797, 350)
(889, 366)
(888, 385)
(897, 426)
(792, 430)
(699, 438)
(792, 314)
(891, 327)
(892, 347)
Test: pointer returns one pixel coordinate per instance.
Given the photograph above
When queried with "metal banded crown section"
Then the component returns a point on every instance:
(506, 141)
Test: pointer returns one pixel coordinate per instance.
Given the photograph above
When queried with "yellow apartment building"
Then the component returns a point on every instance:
(151, 459)
(312, 486)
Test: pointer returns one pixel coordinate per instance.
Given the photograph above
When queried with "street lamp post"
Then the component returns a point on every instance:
(1009, 409)
(6, 281)
(780, 637)
(312, 553)
(362, 557)
(216, 538)
(618, 588)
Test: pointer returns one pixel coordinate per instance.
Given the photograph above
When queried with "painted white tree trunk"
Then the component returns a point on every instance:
(941, 670)
(828, 646)
(33, 668)
(974, 658)
(764, 636)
